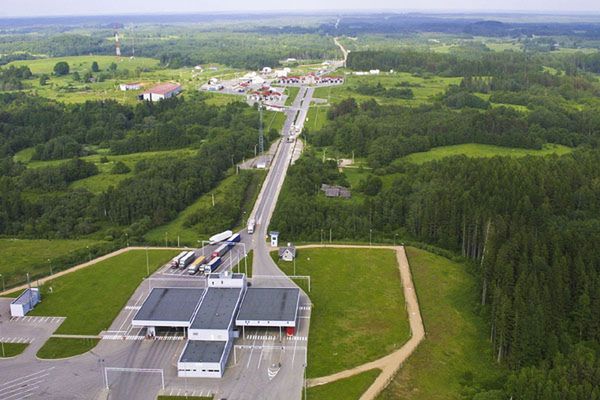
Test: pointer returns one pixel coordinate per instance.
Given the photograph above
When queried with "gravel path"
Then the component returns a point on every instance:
(389, 364)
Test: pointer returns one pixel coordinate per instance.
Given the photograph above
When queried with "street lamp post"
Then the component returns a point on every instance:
(50, 264)
(2, 343)
(3, 286)
(370, 237)
(395, 237)
(147, 263)
(127, 238)
(89, 253)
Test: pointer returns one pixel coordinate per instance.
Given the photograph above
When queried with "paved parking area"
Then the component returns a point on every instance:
(26, 386)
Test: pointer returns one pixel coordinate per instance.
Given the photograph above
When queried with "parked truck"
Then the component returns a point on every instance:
(195, 266)
(251, 223)
(235, 238)
(174, 263)
(219, 237)
(212, 265)
(222, 250)
(187, 259)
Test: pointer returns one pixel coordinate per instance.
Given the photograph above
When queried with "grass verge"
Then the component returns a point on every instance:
(241, 266)
(455, 358)
(358, 310)
(184, 397)
(65, 347)
(348, 389)
(92, 297)
(12, 349)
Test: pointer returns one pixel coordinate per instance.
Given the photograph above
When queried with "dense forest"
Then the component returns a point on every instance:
(39, 202)
(528, 225)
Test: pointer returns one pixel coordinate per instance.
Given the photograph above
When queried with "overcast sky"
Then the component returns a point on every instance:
(92, 7)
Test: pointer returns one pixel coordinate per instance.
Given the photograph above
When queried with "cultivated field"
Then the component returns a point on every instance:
(358, 313)
(456, 355)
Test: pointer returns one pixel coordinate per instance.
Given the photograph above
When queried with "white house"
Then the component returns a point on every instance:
(287, 253)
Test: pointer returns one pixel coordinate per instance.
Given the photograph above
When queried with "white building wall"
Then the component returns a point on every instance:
(17, 310)
(199, 370)
(208, 334)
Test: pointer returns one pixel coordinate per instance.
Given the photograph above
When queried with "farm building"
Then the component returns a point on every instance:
(161, 92)
(130, 86)
(287, 253)
(336, 191)
(20, 306)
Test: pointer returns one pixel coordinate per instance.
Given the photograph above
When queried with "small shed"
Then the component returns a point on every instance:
(20, 306)
(274, 238)
(287, 253)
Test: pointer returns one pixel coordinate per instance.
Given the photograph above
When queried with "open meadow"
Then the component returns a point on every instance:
(358, 312)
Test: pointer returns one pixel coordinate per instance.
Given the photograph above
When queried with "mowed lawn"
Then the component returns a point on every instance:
(92, 297)
(12, 349)
(484, 150)
(20, 256)
(456, 352)
(348, 389)
(358, 312)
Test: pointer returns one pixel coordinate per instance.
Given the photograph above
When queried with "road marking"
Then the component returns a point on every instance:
(27, 392)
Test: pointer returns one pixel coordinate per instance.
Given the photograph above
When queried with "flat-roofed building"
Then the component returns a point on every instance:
(214, 319)
(203, 359)
(169, 308)
(270, 307)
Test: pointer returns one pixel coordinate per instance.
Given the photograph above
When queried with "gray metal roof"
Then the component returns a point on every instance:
(269, 304)
(217, 308)
(170, 304)
(203, 351)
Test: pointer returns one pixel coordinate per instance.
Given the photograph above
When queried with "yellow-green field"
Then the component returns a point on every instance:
(483, 150)
(426, 88)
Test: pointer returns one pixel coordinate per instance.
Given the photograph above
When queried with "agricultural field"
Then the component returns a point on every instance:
(423, 87)
(456, 346)
(483, 150)
(91, 298)
(105, 178)
(144, 70)
(20, 256)
(8, 350)
(358, 315)
(348, 389)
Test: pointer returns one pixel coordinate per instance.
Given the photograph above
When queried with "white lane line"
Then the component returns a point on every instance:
(17, 385)
(28, 392)
(26, 376)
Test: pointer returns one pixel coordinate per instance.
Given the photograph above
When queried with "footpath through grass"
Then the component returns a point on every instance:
(65, 347)
(348, 389)
(20, 256)
(92, 297)
(455, 357)
(483, 150)
(12, 349)
(358, 312)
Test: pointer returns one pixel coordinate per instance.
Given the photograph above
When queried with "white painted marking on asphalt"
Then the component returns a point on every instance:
(28, 392)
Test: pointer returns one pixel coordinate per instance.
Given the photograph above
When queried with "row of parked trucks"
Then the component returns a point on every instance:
(195, 262)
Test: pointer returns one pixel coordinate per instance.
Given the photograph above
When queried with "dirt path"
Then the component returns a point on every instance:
(343, 49)
(389, 364)
(84, 265)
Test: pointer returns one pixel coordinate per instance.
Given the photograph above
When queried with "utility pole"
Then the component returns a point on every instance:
(370, 237)
(261, 138)
(147, 263)
(329, 235)
(3, 286)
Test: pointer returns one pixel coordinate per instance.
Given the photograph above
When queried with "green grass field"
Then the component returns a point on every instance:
(66, 89)
(65, 347)
(92, 297)
(456, 352)
(483, 150)
(291, 92)
(316, 117)
(358, 310)
(12, 349)
(245, 267)
(348, 389)
(424, 89)
(20, 256)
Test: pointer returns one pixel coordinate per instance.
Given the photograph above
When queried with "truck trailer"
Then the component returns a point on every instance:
(175, 261)
(195, 266)
(219, 237)
(222, 250)
(187, 259)
(235, 238)
(212, 265)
